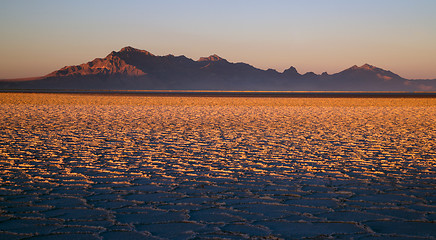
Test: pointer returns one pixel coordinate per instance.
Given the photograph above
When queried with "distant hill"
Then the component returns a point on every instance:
(134, 69)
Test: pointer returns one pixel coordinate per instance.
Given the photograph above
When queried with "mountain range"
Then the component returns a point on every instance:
(134, 69)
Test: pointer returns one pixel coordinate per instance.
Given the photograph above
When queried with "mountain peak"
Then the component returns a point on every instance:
(211, 58)
(130, 49)
(291, 71)
(367, 67)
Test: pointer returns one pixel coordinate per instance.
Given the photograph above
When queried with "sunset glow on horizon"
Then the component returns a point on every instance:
(39, 37)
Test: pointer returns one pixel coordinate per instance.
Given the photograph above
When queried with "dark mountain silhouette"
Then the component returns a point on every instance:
(134, 69)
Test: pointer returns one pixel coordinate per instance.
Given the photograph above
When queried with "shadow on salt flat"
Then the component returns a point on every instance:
(299, 230)
(175, 230)
(423, 229)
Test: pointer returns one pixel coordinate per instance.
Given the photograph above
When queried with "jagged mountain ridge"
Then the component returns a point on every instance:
(135, 69)
(109, 65)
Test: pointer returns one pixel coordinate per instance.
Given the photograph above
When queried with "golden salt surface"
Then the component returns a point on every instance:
(118, 166)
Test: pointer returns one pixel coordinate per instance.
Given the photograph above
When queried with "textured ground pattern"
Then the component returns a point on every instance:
(137, 167)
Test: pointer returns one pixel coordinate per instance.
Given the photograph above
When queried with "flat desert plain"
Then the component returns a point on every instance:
(83, 166)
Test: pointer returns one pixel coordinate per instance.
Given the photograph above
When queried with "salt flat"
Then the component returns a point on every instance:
(141, 167)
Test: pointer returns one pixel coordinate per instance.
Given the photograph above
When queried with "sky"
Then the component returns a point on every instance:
(40, 36)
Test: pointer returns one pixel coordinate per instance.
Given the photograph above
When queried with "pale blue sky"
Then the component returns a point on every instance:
(40, 36)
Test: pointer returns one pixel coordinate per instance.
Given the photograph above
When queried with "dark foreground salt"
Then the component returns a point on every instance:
(118, 167)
